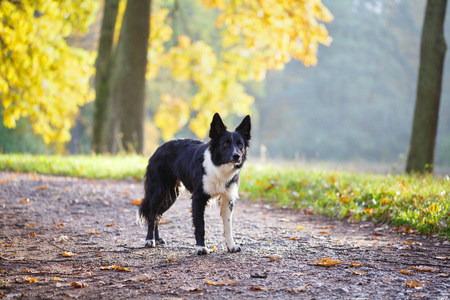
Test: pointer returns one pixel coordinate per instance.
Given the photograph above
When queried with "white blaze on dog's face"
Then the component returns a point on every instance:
(229, 147)
(224, 158)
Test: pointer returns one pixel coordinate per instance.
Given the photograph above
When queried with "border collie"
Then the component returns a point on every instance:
(207, 170)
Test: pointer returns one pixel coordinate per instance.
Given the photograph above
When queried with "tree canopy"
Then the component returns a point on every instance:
(42, 77)
(256, 36)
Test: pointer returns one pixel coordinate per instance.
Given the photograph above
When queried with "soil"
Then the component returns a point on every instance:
(93, 222)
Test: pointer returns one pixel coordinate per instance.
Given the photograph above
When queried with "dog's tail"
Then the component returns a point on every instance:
(144, 208)
(141, 220)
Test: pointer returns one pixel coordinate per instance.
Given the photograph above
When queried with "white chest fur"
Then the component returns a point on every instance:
(216, 179)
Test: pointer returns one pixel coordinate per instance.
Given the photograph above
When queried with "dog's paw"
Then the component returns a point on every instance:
(150, 244)
(160, 241)
(234, 249)
(201, 250)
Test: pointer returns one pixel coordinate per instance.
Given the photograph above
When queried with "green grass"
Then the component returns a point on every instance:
(418, 202)
(94, 167)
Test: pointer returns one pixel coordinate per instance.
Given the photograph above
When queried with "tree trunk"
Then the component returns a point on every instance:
(432, 54)
(128, 86)
(101, 120)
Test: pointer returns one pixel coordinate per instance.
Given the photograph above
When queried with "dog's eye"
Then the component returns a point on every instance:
(226, 144)
(240, 146)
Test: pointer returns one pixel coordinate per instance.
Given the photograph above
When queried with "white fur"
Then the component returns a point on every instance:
(226, 214)
(201, 249)
(141, 221)
(214, 184)
(216, 178)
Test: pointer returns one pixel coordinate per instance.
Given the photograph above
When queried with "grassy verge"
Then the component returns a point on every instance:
(94, 167)
(419, 202)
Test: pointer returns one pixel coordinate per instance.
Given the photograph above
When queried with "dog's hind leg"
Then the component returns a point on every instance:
(226, 211)
(169, 200)
(150, 239)
(159, 240)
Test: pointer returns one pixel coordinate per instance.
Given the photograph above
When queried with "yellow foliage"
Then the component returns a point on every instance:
(257, 36)
(160, 33)
(277, 29)
(41, 77)
(173, 113)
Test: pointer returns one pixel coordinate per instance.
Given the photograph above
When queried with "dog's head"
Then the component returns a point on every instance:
(229, 147)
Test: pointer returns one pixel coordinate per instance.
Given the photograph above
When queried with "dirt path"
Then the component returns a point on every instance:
(279, 258)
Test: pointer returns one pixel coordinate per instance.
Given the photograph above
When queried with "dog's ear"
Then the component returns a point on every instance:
(217, 126)
(245, 127)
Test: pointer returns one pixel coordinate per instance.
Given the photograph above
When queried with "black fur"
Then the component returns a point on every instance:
(183, 161)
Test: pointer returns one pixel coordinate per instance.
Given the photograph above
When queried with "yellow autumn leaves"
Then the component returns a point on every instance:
(42, 77)
(256, 36)
(46, 79)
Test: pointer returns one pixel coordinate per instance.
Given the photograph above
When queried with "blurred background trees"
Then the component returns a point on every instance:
(353, 100)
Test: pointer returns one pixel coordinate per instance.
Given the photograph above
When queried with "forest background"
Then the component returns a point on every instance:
(355, 104)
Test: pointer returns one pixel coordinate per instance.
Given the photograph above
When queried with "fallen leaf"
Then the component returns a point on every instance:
(355, 264)
(172, 259)
(424, 269)
(72, 295)
(41, 188)
(323, 232)
(33, 234)
(78, 284)
(358, 272)
(292, 238)
(69, 254)
(61, 239)
(190, 288)
(27, 200)
(31, 279)
(114, 267)
(275, 257)
(327, 261)
(413, 284)
(221, 282)
(404, 271)
(257, 288)
(112, 224)
(136, 202)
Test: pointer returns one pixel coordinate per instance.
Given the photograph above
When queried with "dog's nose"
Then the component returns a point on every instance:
(236, 157)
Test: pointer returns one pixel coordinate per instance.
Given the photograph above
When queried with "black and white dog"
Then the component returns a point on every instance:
(207, 170)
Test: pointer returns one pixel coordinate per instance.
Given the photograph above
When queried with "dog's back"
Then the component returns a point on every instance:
(171, 163)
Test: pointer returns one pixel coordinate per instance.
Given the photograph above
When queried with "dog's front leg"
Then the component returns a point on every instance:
(198, 214)
(226, 211)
